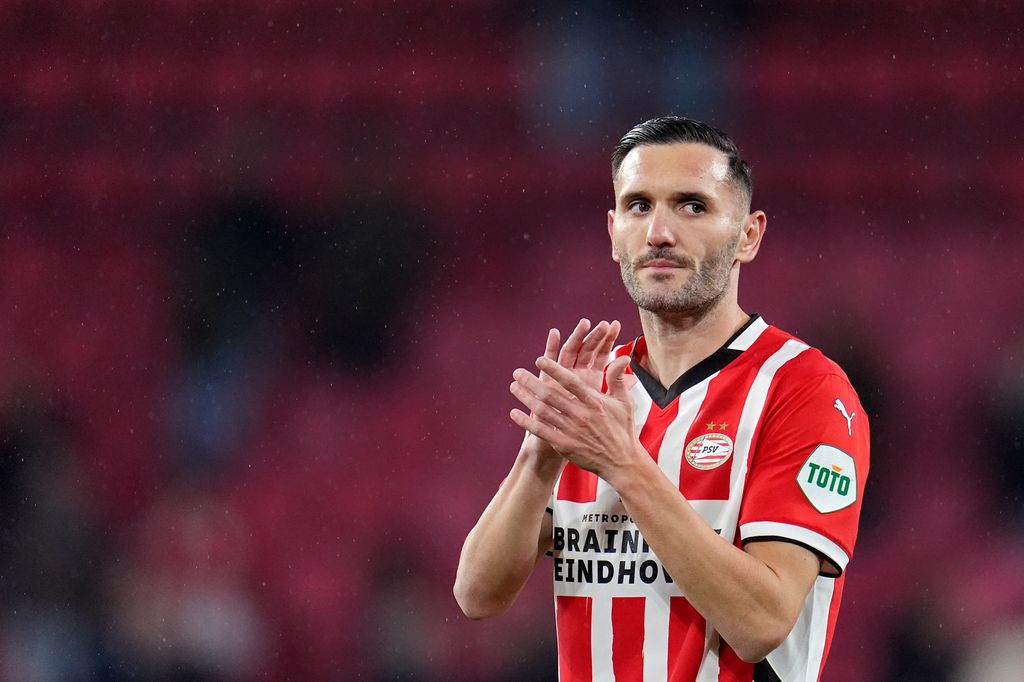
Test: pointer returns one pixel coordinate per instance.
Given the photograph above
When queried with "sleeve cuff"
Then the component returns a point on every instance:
(771, 530)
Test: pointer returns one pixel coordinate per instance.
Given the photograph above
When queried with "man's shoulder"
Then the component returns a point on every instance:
(809, 364)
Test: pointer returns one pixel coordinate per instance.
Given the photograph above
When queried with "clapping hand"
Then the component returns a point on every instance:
(568, 411)
(583, 354)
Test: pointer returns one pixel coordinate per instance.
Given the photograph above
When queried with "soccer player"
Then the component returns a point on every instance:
(699, 487)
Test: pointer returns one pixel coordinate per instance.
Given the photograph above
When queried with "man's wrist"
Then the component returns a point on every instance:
(632, 471)
(538, 456)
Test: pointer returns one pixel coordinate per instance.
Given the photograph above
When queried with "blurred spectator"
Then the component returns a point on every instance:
(1007, 424)
(361, 268)
(627, 62)
(235, 269)
(998, 656)
(50, 547)
(260, 290)
(401, 637)
(921, 648)
(235, 278)
(180, 605)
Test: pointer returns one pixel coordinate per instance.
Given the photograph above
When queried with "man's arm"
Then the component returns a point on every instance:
(515, 530)
(752, 597)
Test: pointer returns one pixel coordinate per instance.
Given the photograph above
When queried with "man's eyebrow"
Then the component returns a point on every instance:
(678, 197)
(692, 196)
(630, 197)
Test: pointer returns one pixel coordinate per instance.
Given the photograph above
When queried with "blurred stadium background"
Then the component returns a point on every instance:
(266, 269)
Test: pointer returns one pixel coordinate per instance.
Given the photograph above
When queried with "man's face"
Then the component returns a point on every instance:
(676, 226)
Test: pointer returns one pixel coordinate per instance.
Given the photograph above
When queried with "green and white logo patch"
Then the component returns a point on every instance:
(829, 479)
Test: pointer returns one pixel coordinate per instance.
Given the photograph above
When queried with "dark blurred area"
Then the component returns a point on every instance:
(265, 272)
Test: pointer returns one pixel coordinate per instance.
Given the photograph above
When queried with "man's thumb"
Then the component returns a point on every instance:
(619, 382)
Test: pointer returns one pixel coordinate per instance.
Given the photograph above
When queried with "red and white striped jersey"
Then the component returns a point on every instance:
(766, 439)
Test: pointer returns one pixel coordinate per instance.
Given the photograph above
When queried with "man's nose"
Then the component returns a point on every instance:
(659, 231)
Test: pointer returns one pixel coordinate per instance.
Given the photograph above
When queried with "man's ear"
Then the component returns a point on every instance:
(611, 234)
(751, 234)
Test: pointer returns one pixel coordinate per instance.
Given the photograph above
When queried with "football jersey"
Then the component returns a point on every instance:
(767, 440)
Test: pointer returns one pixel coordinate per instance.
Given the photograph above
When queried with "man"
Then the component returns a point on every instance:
(700, 492)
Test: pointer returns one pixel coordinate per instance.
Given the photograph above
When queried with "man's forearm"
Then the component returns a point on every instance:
(744, 598)
(502, 549)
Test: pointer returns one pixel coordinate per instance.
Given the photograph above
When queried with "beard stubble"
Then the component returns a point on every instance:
(701, 291)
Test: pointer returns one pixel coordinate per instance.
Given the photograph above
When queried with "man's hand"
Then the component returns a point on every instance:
(583, 356)
(753, 597)
(591, 428)
(514, 531)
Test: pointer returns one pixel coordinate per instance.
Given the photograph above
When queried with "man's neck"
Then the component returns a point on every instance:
(678, 341)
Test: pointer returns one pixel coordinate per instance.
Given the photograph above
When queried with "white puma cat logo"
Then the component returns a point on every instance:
(849, 417)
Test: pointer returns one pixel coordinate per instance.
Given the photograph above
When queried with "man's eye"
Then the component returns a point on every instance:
(694, 207)
(639, 207)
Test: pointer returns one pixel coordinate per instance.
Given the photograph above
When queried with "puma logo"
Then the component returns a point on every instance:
(849, 417)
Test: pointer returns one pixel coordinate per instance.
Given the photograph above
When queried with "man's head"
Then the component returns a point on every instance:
(682, 224)
(677, 129)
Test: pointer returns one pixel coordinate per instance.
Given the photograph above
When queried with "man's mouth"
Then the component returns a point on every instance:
(662, 263)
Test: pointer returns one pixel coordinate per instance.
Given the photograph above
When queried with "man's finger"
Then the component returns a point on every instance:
(539, 409)
(588, 351)
(567, 357)
(551, 347)
(546, 393)
(539, 429)
(568, 380)
(610, 337)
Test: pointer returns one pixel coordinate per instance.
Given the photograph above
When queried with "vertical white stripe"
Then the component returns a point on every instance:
(752, 408)
(641, 407)
(729, 515)
(823, 592)
(670, 457)
(799, 656)
(708, 671)
(601, 638)
(655, 639)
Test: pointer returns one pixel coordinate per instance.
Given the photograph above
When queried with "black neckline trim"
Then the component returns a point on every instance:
(763, 672)
(715, 362)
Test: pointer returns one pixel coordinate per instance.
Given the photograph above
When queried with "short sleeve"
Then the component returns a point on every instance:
(809, 466)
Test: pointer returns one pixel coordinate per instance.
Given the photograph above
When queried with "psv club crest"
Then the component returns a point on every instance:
(709, 450)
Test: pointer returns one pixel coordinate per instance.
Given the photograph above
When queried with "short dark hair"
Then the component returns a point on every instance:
(677, 129)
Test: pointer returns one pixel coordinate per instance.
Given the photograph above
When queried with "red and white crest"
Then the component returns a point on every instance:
(709, 450)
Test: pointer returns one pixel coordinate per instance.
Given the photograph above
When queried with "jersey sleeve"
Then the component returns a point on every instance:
(809, 467)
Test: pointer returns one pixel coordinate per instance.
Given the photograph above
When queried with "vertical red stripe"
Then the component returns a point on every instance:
(732, 668)
(658, 421)
(685, 639)
(719, 413)
(573, 624)
(577, 485)
(628, 641)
